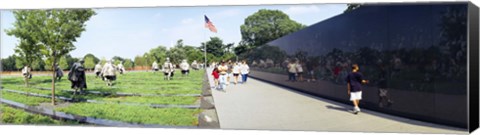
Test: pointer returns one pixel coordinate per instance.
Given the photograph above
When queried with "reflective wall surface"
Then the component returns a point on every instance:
(417, 52)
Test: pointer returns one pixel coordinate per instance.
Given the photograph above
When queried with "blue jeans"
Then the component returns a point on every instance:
(223, 81)
(291, 77)
(244, 78)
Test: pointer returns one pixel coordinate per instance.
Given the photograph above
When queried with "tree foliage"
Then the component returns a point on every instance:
(89, 63)
(95, 59)
(128, 64)
(50, 32)
(265, 26)
(351, 7)
(8, 64)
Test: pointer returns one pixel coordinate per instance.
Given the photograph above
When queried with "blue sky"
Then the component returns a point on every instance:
(127, 32)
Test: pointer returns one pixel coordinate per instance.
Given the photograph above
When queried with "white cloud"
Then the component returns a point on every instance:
(297, 10)
(187, 21)
(227, 13)
(157, 15)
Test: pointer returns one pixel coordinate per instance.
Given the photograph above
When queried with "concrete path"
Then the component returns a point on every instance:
(260, 105)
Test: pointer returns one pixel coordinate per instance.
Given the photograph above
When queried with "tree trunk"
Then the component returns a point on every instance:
(53, 81)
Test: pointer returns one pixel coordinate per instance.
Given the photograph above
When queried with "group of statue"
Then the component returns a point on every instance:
(168, 68)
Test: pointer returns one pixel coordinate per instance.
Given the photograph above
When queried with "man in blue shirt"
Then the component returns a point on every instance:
(354, 85)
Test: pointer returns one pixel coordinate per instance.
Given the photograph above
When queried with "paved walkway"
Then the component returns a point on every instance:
(260, 105)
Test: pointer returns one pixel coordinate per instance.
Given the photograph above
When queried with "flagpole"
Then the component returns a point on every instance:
(205, 48)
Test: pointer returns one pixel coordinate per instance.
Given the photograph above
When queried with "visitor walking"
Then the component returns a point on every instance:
(108, 72)
(77, 76)
(235, 72)
(292, 71)
(244, 70)
(223, 68)
(229, 71)
(354, 86)
(215, 75)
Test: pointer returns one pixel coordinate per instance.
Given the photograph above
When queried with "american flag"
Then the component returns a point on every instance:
(209, 25)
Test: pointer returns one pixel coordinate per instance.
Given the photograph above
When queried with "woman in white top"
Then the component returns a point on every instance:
(292, 70)
(235, 72)
(244, 70)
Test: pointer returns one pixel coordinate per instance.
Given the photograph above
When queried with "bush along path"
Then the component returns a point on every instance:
(148, 101)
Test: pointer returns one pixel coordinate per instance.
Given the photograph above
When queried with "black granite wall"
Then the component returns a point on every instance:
(419, 50)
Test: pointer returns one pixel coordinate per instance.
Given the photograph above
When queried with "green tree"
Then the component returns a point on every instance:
(89, 63)
(128, 64)
(139, 61)
(215, 46)
(267, 25)
(158, 53)
(95, 59)
(63, 63)
(117, 58)
(351, 7)
(54, 30)
(8, 64)
(28, 49)
(103, 61)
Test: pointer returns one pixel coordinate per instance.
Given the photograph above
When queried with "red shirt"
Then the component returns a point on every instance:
(215, 74)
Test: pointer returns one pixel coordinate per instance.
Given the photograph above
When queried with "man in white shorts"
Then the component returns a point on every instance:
(354, 85)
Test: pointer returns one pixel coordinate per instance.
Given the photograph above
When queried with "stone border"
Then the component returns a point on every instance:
(82, 119)
(208, 118)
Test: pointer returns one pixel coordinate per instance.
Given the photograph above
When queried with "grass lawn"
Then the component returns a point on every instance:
(131, 82)
(16, 116)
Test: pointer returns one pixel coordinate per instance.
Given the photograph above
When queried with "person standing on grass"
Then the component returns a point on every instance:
(27, 74)
(223, 68)
(244, 70)
(292, 71)
(229, 71)
(155, 67)
(215, 75)
(98, 70)
(108, 72)
(77, 76)
(354, 86)
(58, 72)
(184, 67)
(235, 72)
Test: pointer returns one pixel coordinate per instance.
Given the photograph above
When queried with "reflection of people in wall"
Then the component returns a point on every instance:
(292, 70)
(354, 86)
(336, 72)
(299, 68)
(383, 89)
(397, 63)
